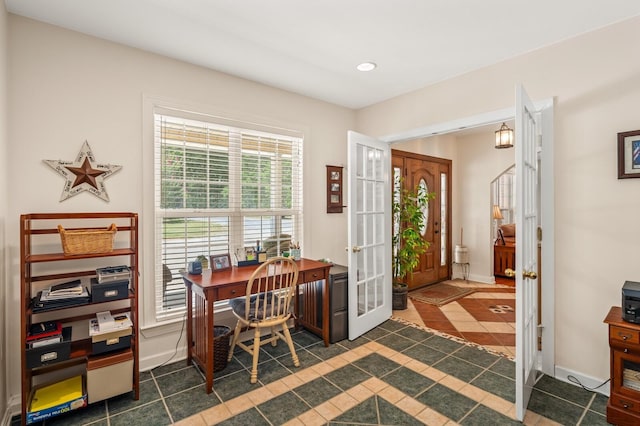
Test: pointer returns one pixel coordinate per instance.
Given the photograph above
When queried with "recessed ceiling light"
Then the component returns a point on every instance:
(367, 66)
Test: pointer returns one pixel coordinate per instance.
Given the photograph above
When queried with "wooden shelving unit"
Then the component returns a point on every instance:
(43, 262)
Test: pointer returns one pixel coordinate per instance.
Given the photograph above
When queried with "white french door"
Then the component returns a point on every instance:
(369, 225)
(527, 132)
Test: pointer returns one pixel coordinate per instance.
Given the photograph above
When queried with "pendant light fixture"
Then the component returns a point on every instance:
(504, 137)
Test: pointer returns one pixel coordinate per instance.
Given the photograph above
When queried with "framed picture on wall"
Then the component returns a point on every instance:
(334, 189)
(629, 154)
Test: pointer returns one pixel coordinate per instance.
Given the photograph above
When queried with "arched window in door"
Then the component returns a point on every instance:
(423, 189)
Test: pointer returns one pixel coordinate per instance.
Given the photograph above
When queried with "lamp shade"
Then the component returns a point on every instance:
(497, 214)
(504, 137)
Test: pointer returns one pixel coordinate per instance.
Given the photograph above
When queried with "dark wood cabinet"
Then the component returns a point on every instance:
(623, 407)
(504, 257)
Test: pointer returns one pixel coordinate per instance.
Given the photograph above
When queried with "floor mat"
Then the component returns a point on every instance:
(440, 294)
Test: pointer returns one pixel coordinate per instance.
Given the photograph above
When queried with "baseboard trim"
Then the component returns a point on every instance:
(13, 409)
(592, 383)
(166, 357)
(485, 279)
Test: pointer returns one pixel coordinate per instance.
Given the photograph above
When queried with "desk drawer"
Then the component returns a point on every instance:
(622, 334)
(313, 275)
(629, 404)
(232, 291)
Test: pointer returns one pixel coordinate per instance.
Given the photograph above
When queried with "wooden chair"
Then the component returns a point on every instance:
(266, 304)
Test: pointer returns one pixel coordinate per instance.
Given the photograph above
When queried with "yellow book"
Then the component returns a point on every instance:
(57, 393)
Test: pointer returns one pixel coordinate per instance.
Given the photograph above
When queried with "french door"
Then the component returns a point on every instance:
(529, 128)
(368, 177)
(527, 131)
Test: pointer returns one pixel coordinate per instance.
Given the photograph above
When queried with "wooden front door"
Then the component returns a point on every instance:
(435, 174)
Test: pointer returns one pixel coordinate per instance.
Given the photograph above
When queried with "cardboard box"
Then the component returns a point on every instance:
(109, 376)
(56, 398)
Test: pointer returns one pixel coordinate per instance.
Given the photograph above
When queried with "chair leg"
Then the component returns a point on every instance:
(256, 353)
(234, 340)
(287, 336)
(274, 337)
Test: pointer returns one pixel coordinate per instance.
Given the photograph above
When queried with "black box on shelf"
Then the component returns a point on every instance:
(111, 290)
(50, 354)
(109, 342)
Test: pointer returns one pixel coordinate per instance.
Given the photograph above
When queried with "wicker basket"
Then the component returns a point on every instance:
(83, 241)
(221, 335)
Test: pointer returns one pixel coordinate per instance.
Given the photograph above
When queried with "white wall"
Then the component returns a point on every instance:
(595, 79)
(479, 163)
(3, 205)
(66, 88)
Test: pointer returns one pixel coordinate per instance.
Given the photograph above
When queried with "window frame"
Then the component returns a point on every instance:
(152, 314)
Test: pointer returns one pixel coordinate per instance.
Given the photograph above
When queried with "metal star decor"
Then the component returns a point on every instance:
(83, 174)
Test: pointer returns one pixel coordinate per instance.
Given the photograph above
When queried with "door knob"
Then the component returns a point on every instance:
(356, 249)
(526, 274)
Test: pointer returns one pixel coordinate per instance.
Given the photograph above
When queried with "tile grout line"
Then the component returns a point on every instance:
(478, 395)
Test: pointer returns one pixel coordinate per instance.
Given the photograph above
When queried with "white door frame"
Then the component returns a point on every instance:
(547, 208)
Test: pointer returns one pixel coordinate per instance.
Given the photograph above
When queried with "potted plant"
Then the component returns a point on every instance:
(409, 218)
(203, 260)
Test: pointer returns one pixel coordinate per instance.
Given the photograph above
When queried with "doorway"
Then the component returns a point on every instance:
(439, 140)
(411, 170)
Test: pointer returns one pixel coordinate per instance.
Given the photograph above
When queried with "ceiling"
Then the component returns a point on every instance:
(312, 47)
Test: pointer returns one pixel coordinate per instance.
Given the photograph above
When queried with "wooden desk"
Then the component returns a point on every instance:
(206, 289)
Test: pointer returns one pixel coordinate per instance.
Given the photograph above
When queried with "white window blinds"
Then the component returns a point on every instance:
(220, 189)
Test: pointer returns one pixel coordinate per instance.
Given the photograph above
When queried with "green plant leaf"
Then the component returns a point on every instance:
(408, 244)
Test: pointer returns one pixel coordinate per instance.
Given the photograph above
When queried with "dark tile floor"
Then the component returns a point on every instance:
(396, 374)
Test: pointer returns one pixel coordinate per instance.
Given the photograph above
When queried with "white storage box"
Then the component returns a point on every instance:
(109, 376)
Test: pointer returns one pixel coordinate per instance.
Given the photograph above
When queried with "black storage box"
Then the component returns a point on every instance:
(105, 292)
(108, 342)
(631, 302)
(50, 354)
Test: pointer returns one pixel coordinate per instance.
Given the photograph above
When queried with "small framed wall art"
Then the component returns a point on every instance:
(629, 154)
(334, 189)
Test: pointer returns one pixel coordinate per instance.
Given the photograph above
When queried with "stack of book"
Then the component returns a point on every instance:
(631, 378)
(44, 334)
(61, 295)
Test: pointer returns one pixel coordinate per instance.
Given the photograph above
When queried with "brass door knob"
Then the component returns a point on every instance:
(356, 249)
(526, 274)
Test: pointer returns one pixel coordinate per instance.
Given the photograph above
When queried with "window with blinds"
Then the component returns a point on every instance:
(220, 189)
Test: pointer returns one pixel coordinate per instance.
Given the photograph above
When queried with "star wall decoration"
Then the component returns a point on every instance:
(83, 174)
